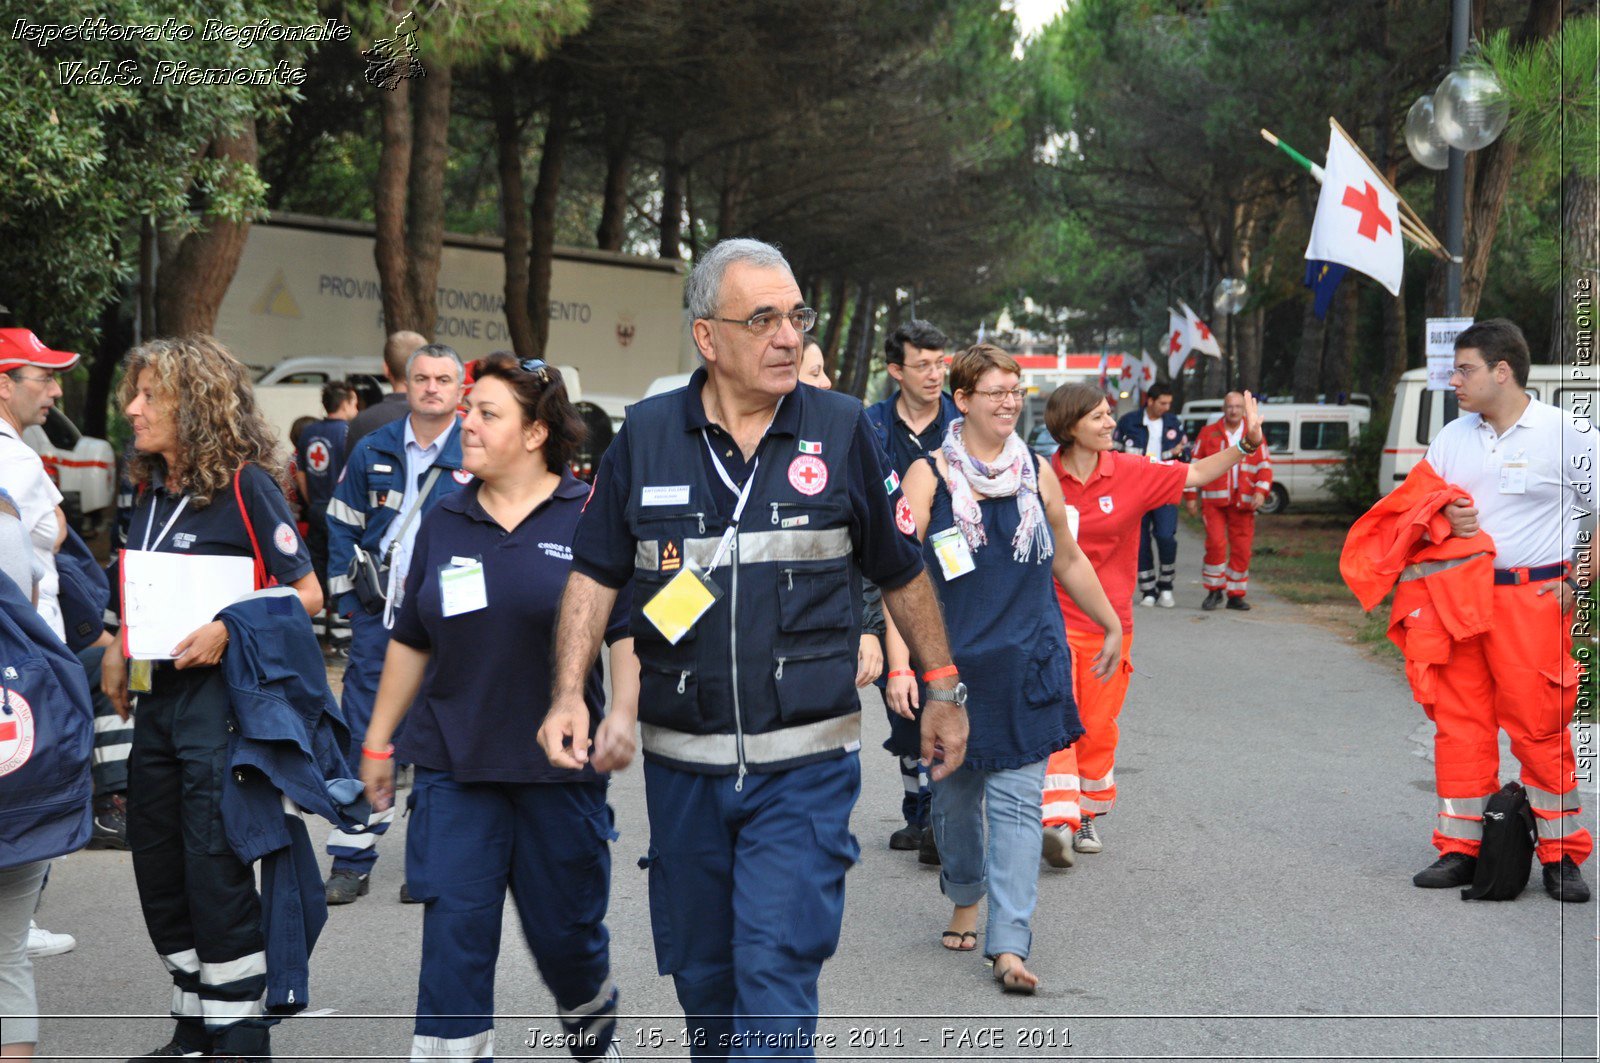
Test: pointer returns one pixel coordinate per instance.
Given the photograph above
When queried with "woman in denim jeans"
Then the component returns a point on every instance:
(995, 534)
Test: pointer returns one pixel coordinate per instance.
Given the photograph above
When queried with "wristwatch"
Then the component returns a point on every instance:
(957, 694)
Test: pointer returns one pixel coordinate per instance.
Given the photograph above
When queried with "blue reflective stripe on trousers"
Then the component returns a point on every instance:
(747, 897)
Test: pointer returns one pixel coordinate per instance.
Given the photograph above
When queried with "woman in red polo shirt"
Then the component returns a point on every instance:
(1111, 492)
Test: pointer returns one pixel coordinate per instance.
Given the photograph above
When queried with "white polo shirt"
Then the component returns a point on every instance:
(1534, 486)
(22, 475)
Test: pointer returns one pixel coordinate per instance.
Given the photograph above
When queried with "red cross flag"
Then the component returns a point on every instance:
(1147, 371)
(1358, 218)
(1177, 344)
(1200, 335)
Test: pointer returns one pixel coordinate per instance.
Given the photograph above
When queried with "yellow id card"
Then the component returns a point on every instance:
(677, 606)
(139, 676)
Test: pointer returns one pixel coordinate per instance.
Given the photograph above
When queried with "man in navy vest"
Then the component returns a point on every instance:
(746, 511)
(1156, 433)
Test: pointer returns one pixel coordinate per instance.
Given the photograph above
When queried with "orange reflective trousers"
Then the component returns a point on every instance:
(1079, 779)
(1519, 677)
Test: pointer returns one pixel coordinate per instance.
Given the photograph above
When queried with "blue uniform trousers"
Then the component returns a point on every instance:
(905, 742)
(1160, 524)
(369, 641)
(466, 843)
(747, 897)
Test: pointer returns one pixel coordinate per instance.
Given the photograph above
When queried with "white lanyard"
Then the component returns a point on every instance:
(151, 521)
(726, 542)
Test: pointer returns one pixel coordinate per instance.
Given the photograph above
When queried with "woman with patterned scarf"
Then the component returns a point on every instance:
(995, 533)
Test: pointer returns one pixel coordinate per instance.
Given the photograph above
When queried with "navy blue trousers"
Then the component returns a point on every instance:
(1160, 524)
(747, 897)
(466, 844)
(369, 642)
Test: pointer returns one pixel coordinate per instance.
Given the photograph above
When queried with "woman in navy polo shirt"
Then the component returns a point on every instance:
(210, 483)
(488, 810)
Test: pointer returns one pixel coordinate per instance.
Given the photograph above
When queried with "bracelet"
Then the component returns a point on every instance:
(386, 753)
(1247, 451)
(940, 673)
(896, 673)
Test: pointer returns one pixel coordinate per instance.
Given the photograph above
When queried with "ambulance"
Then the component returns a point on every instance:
(1418, 413)
(1304, 439)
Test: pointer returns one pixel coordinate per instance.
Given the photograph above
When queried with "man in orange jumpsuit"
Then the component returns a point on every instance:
(1230, 503)
(1530, 471)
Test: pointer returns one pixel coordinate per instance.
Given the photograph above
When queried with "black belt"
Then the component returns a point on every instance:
(1511, 577)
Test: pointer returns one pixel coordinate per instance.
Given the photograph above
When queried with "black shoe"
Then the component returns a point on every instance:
(1451, 869)
(906, 839)
(1239, 603)
(110, 822)
(1564, 882)
(188, 1041)
(405, 895)
(928, 851)
(344, 886)
(1213, 599)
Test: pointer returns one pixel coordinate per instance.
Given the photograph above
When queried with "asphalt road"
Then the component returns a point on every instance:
(1253, 901)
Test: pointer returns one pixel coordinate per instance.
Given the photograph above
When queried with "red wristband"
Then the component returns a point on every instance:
(940, 673)
(386, 753)
(898, 672)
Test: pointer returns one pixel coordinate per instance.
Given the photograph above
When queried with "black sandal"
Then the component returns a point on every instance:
(1003, 976)
(961, 937)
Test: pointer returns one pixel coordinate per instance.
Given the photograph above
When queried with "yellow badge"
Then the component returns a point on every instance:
(139, 676)
(684, 599)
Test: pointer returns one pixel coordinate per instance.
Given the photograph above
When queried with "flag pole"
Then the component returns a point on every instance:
(1414, 217)
(1410, 226)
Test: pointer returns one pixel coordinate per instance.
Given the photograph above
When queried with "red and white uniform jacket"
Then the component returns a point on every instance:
(1252, 476)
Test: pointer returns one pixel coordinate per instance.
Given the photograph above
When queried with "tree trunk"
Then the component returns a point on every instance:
(1396, 358)
(542, 219)
(514, 220)
(835, 327)
(672, 200)
(1308, 364)
(1341, 345)
(1249, 344)
(861, 359)
(614, 197)
(116, 336)
(191, 283)
(389, 207)
(1580, 250)
(425, 211)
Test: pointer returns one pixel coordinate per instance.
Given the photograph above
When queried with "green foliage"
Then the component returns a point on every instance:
(87, 161)
(1554, 92)
(1354, 482)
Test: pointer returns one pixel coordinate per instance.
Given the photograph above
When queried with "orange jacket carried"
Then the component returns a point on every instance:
(1444, 585)
(1251, 475)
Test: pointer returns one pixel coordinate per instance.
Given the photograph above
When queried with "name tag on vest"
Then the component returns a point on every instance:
(674, 495)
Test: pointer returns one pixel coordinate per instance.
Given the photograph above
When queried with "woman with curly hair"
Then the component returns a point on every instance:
(209, 482)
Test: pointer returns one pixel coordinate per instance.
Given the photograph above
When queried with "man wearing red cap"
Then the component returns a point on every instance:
(28, 389)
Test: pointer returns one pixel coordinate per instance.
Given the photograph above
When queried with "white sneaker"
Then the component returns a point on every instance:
(1148, 600)
(43, 943)
(1167, 601)
(1087, 840)
(1056, 847)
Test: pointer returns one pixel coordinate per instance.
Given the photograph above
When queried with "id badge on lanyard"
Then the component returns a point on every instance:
(686, 597)
(462, 588)
(955, 557)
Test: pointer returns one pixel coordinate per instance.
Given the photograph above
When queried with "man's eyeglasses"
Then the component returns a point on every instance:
(923, 368)
(766, 322)
(1464, 371)
(47, 379)
(999, 395)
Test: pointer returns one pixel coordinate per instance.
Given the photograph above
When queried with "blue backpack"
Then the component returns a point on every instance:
(84, 592)
(46, 738)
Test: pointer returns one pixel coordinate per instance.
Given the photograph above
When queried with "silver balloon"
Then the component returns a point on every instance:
(1229, 295)
(1422, 135)
(1470, 109)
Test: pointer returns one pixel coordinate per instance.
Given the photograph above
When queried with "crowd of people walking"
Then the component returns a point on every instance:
(754, 554)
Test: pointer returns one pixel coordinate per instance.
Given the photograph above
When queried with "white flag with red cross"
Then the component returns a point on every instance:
(1147, 371)
(1358, 218)
(1201, 338)
(1177, 344)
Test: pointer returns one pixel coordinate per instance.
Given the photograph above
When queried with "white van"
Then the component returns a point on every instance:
(1419, 413)
(1304, 439)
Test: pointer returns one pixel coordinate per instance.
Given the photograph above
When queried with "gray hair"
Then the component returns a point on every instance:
(436, 350)
(704, 286)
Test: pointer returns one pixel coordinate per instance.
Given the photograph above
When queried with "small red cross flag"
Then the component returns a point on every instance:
(1147, 371)
(1201, 337)
(1358, 217)
(1176, 346)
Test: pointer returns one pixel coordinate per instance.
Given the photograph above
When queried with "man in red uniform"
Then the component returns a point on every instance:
(1528, 470)
(1229, 503)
